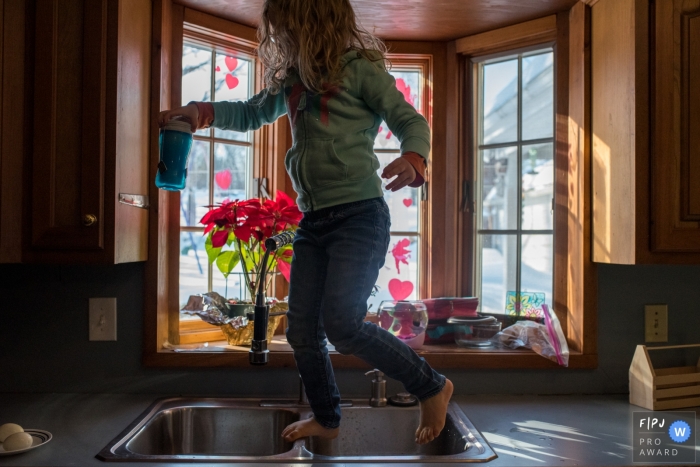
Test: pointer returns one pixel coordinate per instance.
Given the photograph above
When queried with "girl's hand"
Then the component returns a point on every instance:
(404, 172)
(190, 111)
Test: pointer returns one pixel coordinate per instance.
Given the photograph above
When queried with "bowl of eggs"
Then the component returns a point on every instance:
(14, 439)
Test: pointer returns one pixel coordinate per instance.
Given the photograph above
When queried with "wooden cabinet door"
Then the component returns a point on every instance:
(70, 62)
(675, 154)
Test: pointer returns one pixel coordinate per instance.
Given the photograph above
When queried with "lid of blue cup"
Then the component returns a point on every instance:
(177, 124)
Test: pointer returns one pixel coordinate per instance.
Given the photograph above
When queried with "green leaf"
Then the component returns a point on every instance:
(226, 261)
(212, 253)
(231, 238)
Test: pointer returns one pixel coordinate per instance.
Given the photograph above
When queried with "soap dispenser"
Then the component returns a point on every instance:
(378, 398)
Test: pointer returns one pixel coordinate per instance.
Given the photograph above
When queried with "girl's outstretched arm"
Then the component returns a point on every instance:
(237, 116)
(250, 114)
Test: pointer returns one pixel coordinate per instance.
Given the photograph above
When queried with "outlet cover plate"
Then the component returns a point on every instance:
(656, 323)
(103, 319)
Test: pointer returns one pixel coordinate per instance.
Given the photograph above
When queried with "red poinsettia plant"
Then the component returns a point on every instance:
(236, 232)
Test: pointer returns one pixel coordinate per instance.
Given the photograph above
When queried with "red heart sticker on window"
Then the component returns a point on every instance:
(223, 179)
(231, 81)
(400, 290)
(231, 63)
(407, 202)
(218, 68)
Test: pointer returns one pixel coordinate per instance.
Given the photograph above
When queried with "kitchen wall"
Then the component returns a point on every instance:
(44, 343)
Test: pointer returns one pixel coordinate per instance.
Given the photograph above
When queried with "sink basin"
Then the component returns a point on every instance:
(248, 430)
(389, 432)
(214, 430)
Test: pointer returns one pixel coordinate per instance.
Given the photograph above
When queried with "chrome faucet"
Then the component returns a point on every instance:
(303, 400)
(378, 397)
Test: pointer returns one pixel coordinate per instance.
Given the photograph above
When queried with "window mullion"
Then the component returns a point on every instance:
(513, 143)
(518, 247)
(210, 269)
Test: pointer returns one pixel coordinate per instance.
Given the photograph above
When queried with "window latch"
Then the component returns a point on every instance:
(466, 196)
(261, 188)
(424, 192)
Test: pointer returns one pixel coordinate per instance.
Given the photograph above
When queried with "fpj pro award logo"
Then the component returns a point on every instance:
(664, 437)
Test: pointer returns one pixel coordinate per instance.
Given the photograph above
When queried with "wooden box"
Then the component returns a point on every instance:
(663, 388)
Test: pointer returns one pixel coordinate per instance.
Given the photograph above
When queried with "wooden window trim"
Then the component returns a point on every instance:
(575, 280)
(445, 224)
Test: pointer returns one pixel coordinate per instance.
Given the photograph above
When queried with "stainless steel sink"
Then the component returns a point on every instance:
(248, 430)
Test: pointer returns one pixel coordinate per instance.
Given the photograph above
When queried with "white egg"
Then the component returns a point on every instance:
(9, 429)
(17, 441)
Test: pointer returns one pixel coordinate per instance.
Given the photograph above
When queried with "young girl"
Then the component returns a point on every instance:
(327, 74)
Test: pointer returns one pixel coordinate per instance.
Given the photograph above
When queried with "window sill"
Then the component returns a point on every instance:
(219, 354)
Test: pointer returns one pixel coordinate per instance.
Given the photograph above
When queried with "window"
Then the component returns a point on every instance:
(401, 277)
(220, 164)
(514, 244)
(441, 226)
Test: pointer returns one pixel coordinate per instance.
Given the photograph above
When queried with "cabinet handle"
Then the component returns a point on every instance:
(89, 220)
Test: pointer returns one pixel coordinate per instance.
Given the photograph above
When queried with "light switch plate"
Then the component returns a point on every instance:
(103, 319)
(656, 323)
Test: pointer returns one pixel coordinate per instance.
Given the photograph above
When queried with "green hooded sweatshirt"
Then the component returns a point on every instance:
(332, 160)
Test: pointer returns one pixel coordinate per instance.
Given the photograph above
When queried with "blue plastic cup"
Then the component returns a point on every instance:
(175, 142)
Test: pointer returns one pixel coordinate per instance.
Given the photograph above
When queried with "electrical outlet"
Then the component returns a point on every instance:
(656, 323)
(103, 319)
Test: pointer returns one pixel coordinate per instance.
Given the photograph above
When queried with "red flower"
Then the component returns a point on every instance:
(248, 219)
(282, 211)
(218, 239)
(230, 213)
(285, 268)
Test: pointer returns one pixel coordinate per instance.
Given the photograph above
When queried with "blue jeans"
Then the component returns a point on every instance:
(338, 252)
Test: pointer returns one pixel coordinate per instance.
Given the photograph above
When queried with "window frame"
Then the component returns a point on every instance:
(519, 143)
(574, 275)
(447, 171)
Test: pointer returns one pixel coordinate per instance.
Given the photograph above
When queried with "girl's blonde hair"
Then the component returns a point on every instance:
(311, 36)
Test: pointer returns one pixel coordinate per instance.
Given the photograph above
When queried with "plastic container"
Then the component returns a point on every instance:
(407, 320)
(447, 307)
(475, 332)
(175, 142)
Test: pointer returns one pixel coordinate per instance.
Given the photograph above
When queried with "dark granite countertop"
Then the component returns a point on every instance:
(524, 430)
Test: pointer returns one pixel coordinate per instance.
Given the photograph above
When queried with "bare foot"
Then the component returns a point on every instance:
(306, 428)
(432, 414)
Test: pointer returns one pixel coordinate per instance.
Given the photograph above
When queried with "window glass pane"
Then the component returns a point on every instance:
(499, 188)
(232, 81)
(195, 197)
(538, 96)
(536, 265)
(403, 204)
(537, 186)
(196, 76)
(230, 172)
(500, 106)
(236, 283)
(193, 267)
(409, 84)
(398, 278)
(498, 270)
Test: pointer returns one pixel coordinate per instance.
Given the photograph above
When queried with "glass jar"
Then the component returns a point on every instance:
(405, 319)
(475, 332)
